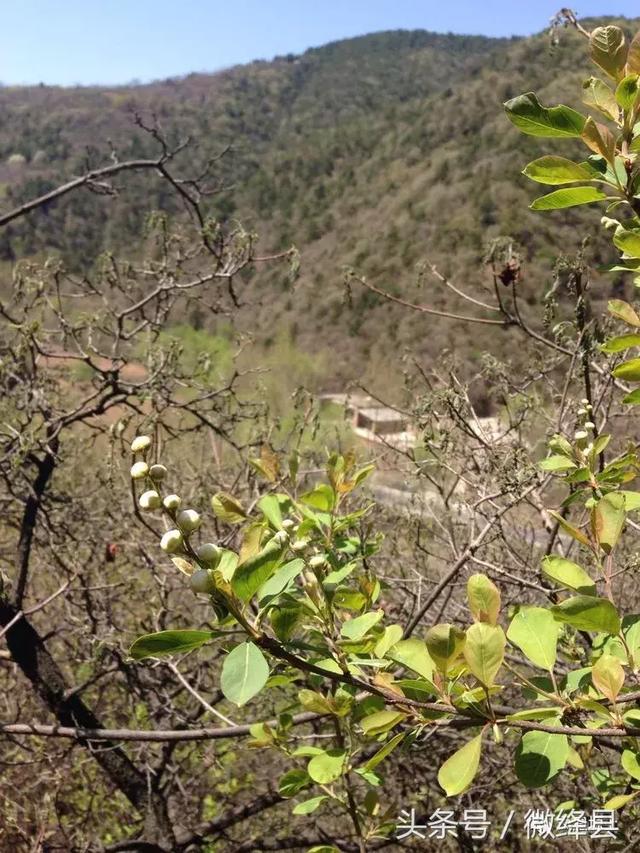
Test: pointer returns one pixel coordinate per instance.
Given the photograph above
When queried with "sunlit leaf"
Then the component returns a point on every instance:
(529, 116)
(459, 770)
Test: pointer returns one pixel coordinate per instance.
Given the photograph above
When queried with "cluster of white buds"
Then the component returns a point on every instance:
(186, 521)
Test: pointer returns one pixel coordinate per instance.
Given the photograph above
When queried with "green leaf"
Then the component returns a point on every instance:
(540, 757)
(556, 463)
(414, 655)
(629, 370)
(608, 676)
(484, 651)
(574, 532)
(608, 49)
(568, 574)
(381, 722)
(627, 91)
(623, 311)
(621, 343)
(282, 577)
(599, 139)
(459, 770)
(597, 94)
(244, 673)
(587, 613)
(444, 644)
(256, 571)
(535, 632)
(308, 806)
(355, 629)
(484, 599)
(169, 643)
(328, 766)
(569, 197)
(271, 506)
(607, 520)
(632, 399)
(631, 763)
(631, 500)
(292, 782)
(529, 116)
(558, 170)
(381, 754)
(629, 243)
(619, 801)
(227, 508)
(322, 497)
(392, 635)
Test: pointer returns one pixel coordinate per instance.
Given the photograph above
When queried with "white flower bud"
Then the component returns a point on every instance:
(281, 537)
(139, 470)
(149, 500)
(140, 443)
(202, 581)
(157, 472)
(317, 561)
(584, 402)
(208, 553)
(582, 412)
(299, 544)
(172, 502)
(188, 520)
(172, 541)
(288, 524)
(589, 425)
(580, 434)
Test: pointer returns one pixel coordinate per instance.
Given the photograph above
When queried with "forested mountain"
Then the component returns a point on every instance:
(377, 153)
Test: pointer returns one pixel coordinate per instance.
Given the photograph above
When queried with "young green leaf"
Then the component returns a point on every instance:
(620, 343)
(244, 673)
(569, 197)
(309, 806)
(413, 654)
(356, 629)
(588, 613)
(459, 770)
(540, 757)
(169, 643)
(596, 93)
(631, 763)
(386, 750)
(607, 520)
(568, 574)
(627, 91)
(574, 532)
(444, 644)
(556, 463)
(256, 571)
(381, 721)
(484, 599)
(628, 241)
(529, 116)
(484, 651)
(535, 632)
(327, 766)
(558, 170)
(608, 49)
(227, 508)
(622, 310)
(628, 370)
(608, 676)
(292, 782)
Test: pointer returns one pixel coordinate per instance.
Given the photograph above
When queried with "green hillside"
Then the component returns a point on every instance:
(377, 153)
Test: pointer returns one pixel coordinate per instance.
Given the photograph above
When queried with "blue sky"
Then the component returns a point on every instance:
(116, 41)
